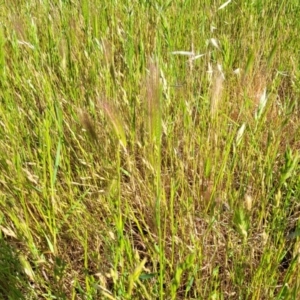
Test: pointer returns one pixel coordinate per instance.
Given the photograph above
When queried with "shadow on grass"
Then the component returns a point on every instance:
(13, 281)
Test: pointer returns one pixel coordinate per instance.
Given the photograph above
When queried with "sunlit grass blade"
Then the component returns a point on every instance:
(135, 276)
(224, 4)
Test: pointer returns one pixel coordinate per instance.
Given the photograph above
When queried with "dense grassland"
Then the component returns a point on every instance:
(149, 149)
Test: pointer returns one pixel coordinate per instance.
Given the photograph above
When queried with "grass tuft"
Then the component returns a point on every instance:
(131, 168)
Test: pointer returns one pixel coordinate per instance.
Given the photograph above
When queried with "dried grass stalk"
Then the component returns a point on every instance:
(216, 92)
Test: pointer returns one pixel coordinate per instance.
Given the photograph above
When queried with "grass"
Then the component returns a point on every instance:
(149, 150)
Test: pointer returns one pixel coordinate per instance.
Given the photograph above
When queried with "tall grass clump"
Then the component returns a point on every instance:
(149, 150)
